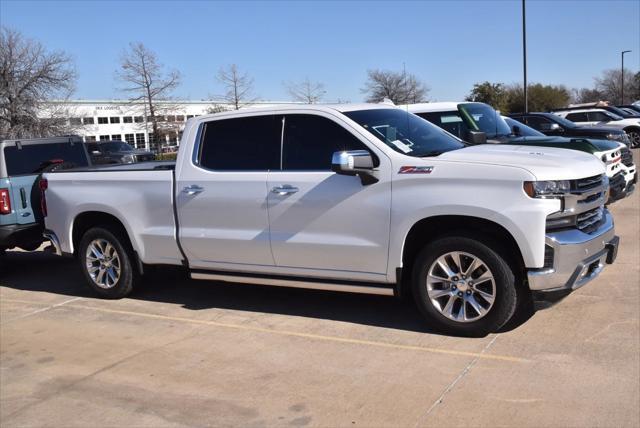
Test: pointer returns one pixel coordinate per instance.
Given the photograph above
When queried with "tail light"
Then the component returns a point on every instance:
(44, 185)
(5, 202)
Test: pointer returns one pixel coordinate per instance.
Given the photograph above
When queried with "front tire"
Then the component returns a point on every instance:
(463, 286)
(634, 138)
(106, 260)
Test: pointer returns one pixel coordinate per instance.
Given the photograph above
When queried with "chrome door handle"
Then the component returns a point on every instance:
(284, 190)
(194, 189)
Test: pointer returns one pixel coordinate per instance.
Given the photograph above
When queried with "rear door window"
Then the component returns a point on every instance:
(32, 158)
(242, 144)
(578, 117)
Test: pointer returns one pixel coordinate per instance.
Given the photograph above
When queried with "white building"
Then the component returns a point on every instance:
(129, 121)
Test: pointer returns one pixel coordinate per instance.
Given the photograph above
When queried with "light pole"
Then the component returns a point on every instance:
(524, 55)
(622, 78)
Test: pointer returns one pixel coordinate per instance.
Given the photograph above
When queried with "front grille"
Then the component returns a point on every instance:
(627, 156)
(548, 256)
(587, 183)
(589, 221)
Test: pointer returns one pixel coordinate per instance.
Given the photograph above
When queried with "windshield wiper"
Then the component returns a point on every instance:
(432, 153)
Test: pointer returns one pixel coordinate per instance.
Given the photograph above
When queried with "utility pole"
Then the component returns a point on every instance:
(524, 55)
(622, 78)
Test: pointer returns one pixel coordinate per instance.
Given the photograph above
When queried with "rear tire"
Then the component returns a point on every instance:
(464, 287)
(106, 259)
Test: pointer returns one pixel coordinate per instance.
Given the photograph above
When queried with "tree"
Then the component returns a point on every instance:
(238, 87)
(587, 95)
(399, 87)
(494, 94)
(306, 91)
(147, 81)
(29, 76)
(540, 97)
(609, 84)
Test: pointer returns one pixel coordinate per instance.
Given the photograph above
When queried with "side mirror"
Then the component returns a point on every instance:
(516, 130)
(354, 162)
(475, 137)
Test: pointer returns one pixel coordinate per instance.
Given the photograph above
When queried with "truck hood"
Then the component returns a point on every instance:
(589, 145)
(545, 163)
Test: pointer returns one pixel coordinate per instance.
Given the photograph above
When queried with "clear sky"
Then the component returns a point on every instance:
(448, 44)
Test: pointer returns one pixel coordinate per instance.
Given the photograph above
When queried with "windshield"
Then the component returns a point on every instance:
(524, 130)
(405, 132)
(485, 119)
(617, 111)
(561, 120)
(116, 146)
(612, 115)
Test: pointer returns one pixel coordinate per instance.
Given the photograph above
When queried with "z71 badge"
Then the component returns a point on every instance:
(415, 170)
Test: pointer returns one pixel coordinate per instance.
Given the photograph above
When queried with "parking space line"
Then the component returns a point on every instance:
(37, 311)
(478, 355)
(422, 420)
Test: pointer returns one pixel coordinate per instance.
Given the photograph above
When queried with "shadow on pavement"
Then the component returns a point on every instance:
(38, 271)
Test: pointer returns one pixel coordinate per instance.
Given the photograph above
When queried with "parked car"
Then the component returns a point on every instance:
(21, 164)
(553, 125)
(600, 117)
(605, 106)
(609, 152)
(359, 198)
(479, 122)
(629, 169)
(634, 107)
(111, 152)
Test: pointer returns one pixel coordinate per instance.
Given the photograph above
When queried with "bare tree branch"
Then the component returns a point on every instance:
(306, 91)
(29, 76)
(238, 87)
(399, 87)
(145, 80)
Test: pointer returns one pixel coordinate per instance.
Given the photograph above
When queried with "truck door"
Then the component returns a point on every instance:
(221, 195)
(321, 220)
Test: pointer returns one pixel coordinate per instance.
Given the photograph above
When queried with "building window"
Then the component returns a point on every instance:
(104, 138)
(140, 141)
(160, 118)
(180, 118)
(128, 138)
(75, 121)
(90, 138)
(117, 137)
(138, 119)
(114, 119)
(189, 116)
(173, 138)
(88, 121)
(103, 120)
(171, 118)
(127, 119)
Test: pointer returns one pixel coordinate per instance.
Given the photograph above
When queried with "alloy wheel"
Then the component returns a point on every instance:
(461, 286)
(103, 263)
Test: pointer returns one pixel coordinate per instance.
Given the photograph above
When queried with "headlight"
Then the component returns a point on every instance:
(616, 137)
(546, 189)
(128, 159)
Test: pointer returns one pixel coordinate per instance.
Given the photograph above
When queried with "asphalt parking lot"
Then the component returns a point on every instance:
(194, 353)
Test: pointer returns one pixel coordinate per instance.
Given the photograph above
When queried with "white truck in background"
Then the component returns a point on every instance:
(357, 198)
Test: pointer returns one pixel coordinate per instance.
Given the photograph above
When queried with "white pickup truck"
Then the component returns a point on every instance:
(356, 198)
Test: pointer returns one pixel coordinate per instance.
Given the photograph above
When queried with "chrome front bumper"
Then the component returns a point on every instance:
(578, 258)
